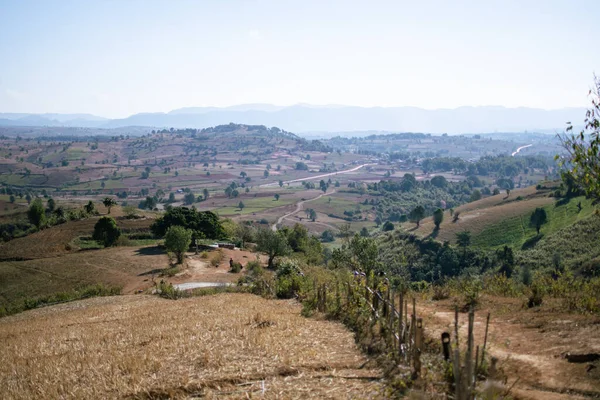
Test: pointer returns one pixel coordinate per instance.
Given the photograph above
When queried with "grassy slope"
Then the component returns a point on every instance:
(575, 244)
(496, 221)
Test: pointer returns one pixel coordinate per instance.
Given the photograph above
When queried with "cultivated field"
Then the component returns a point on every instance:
(144, 347)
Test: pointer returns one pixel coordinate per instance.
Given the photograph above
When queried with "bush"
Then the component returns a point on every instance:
(236, 267)
(167, 291)
(106, 231)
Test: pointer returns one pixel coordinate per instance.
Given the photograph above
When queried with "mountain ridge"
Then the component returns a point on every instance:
(330, 118)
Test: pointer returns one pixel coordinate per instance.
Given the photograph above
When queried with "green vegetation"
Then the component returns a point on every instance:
(177, 241)
(203, 224)
(106, 231)
(37, 213)
(84, 292)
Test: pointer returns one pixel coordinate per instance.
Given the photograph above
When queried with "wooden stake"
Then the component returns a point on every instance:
(487, 324)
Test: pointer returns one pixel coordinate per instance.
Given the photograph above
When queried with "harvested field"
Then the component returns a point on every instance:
(53, 241)
(225, 346)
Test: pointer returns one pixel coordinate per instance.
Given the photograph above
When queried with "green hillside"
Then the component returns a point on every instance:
(515, 231)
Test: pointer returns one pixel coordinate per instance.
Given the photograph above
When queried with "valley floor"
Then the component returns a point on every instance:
(225, 346)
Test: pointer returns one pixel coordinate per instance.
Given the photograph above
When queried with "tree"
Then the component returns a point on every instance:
(507, 260)
(312, 214)
(205, 193)
(438, 217)
(275, 244)
(106, 231)
(51, 204)
(266, 173)
(12, 198)
(583, 157)
(327, 236)
(28, 198)
(388, 226)
(276, 196)
(202, 223)
(189, 198)
(364, 232)
(177, 241)
(109, 202)
(89, 207)
(475, 195)
(36, 213)
(417, 214)
(463, 239)
(439, 181)
(280, 183)
(538, 218)
(241, 205)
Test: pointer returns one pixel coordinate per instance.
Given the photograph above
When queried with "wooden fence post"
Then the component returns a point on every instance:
(418, 344)
(487, 324)
(469, 356)
(446, 345)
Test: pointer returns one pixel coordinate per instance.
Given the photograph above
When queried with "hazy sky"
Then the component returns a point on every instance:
(116, 58)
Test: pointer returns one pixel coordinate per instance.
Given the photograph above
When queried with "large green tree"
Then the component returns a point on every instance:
(417, 214)
(36, 213)
(582, 158)
(538, 218)
(438, 217)
(202, 223)
(275, 244)
(177, 241)
(106, 231)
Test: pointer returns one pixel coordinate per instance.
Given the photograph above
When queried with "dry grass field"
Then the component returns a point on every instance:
(144, 347)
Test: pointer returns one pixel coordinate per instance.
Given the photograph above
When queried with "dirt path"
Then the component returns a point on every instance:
(308, 178)
(520, 148)
(299, 207)
(530, 350)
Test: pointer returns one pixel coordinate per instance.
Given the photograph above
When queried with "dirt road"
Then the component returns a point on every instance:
(309, 178)
(299, 207)
(530, 347)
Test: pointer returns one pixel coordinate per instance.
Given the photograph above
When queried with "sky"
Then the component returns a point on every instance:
(117, 58)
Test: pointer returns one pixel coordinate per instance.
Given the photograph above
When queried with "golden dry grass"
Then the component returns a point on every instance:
(226, 346)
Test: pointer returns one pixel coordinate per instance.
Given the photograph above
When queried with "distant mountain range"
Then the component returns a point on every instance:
(305, 118)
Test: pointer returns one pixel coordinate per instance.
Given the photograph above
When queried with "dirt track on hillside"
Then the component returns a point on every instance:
(530, 347)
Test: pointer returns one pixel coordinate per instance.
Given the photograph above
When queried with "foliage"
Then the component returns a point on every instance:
(538, 218)
(189, 198)
(89, 207)
(36, 213)
(84, 292)
(583, 157)
(417, 214)
(438, 217)
(109, 202)
(463, 239)
(201, 223)
(387, 226)
(106, 231)
(275, 244)
(177, 240)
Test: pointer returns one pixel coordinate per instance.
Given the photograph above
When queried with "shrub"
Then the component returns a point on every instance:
(106, 231)
(236, 267)
(167, 291)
